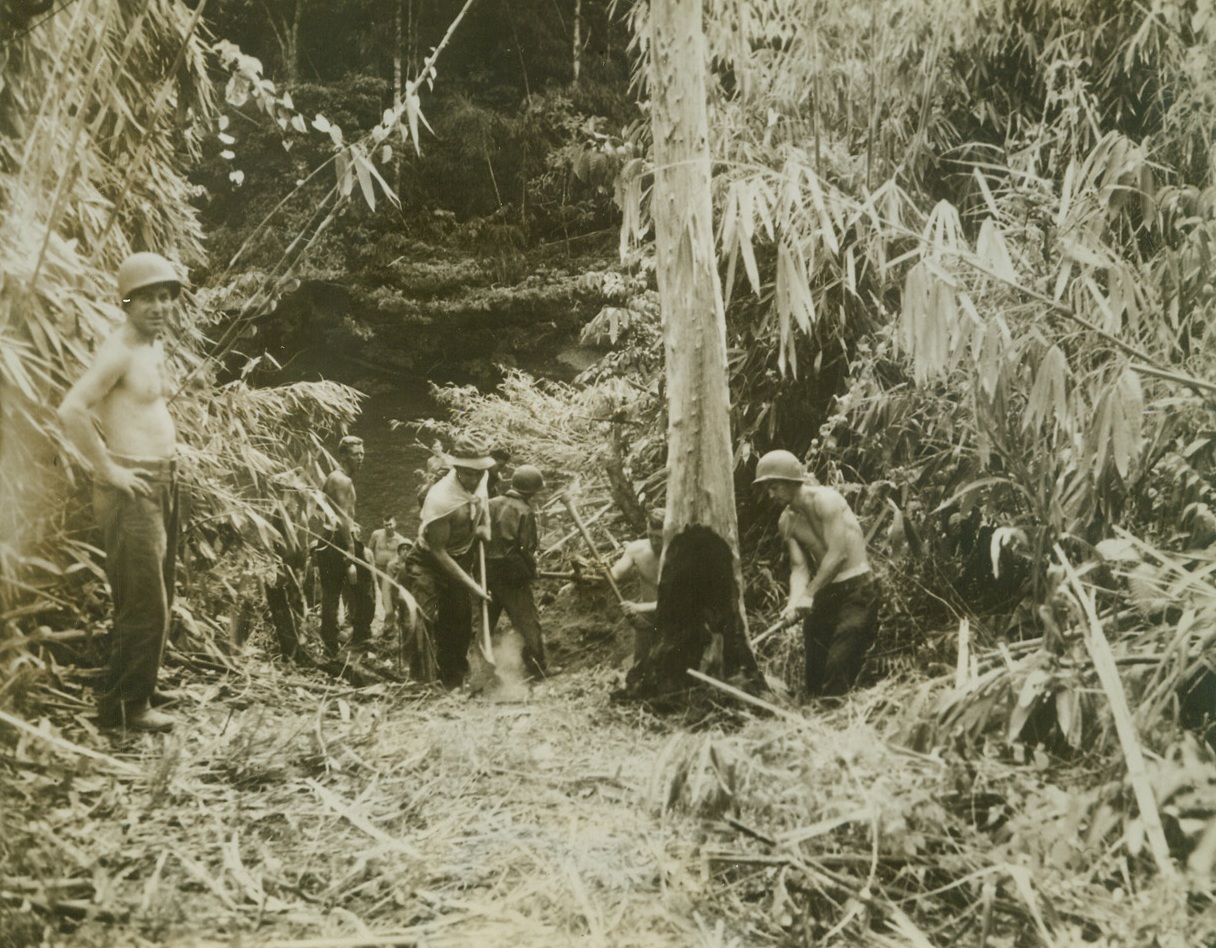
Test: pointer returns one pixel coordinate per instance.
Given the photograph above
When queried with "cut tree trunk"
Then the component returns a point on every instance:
(700, 620)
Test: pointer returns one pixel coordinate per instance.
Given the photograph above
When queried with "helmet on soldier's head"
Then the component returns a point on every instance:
(779, 466)
(527, 479)
(146, 269)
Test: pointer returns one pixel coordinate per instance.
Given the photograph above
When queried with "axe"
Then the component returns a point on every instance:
(779, 625)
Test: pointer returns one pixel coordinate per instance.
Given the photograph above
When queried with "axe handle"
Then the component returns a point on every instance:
(773, 629)
(595, 553)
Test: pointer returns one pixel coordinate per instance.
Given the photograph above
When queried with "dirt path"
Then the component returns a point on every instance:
(284, 810)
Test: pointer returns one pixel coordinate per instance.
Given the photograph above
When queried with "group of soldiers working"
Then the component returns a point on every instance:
(117, 416)
(471, 548)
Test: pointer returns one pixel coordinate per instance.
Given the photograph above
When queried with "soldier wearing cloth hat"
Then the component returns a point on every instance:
(438, 569)
(511, 563)
(838, 605)
(117, 417)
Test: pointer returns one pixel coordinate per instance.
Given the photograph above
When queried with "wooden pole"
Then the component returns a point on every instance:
(782, 623)
(487, 644)
(595, 553)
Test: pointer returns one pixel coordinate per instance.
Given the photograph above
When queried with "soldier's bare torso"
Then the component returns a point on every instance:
(134, 414)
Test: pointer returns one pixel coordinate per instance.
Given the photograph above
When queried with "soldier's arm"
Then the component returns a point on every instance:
(620, 569)
(438, 533)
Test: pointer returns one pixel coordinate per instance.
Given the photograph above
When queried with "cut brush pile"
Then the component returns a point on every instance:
(287, 808)
(292, 809)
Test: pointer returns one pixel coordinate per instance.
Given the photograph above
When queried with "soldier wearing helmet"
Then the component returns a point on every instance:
(511, 564)
(117, 416)
(838, 602)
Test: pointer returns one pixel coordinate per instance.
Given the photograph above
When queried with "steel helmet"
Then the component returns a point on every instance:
(779, 466)
(146, 269)
(527, 479)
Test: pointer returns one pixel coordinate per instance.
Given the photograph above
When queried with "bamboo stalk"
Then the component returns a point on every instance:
(1125, 725)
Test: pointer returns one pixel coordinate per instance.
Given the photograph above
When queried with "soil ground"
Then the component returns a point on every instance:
(290, 808)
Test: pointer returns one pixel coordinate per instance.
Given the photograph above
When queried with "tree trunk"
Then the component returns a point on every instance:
(398, 83)
(700, 621)
(398, 51)
(293, 44)
(577, 51)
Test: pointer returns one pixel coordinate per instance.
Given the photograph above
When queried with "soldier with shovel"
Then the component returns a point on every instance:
(438, 568)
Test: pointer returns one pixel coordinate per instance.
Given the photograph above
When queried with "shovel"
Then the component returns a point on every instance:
(487, 645)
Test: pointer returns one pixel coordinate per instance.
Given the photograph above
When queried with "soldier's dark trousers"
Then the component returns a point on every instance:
(516, 599)
(360, 598)
(841, 627)
(438, 645)
(140, 538)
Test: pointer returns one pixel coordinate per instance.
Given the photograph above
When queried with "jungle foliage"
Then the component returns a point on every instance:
(968, 253)
(969, 263)
(98, 126)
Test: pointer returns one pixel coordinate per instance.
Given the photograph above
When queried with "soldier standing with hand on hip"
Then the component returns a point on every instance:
(117, 416)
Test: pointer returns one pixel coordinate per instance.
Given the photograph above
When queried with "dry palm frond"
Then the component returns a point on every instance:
(561, 428)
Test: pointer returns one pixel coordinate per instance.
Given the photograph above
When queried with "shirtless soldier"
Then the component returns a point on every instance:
(124, 393)
(642, 557)
(341, 559)
(839, 604)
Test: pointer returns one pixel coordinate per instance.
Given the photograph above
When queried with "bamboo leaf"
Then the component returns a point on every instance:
(1099, 438)
(1109, 321)
(1049, 395)
(1076, 250)
(1062, 280)
(359, 160)
(375, 173)
(988, 199)
(1066, 195)
(826, 224)
(991, 249)
(1068, 716)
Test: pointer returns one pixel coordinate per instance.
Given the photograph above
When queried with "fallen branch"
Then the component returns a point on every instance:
(568, 501)
(359, 821)
(68, 746)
